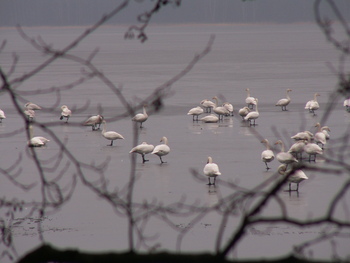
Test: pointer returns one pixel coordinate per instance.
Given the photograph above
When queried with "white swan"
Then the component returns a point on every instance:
(37, 141)
(285, 101)
(2, 115)
(93, 121)
(312, 149)
(253, 115)
(228, 106)
(285, 157)
(141, 117)
(65, 113)
(320, 136)
(31, 106)
(326, 130)
(305, 135)
(297, 149)
(347, 104)
(211, 170)
(313, 105)
(143, 149)
(243, 111)
(195, 112)
(162, 149)
(219, 110)
(210, 118)
(110, 135)
(250, 101)
(207, 105)
(267, 155)
(294, 176)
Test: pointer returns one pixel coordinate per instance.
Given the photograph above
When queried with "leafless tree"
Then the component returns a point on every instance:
(246, 204)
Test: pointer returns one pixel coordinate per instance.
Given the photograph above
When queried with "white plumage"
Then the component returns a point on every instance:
(110, 135)
(2, 115)
(285, 101)
(93, 121)
(294, 176)
(313, 105)
(253, 115)
(36, 141)
(143, 149)
(312, 149)
(297, 149)
(210, 118)
(228, 106)
(243, 112)
(320, 136)
(250, 101)
(141, 117)
(211, 170)
(31, 106)
(65, 113)
(267, 155)
(207, 105)
(285, 157)
(162, 149)
(219, 110)
(195, 112)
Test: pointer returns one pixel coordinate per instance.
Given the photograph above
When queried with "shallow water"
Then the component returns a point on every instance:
(268, 59)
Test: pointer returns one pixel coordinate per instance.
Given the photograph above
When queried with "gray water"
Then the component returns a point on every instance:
(267, 59)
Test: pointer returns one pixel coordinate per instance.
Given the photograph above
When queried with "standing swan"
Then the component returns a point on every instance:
(267, 155)
(66, 113)
(243, 112)
(93, 121)
(143, 149)
(285, 157)
(195, 112)
(253, 115)
(110, 135)
(285, 101)
(250, 101)
(162, 149)
(320, 136)
(211, 170)
(207, 105)
(294, 176)
(313, 105)
(141, 117)
(219, 110)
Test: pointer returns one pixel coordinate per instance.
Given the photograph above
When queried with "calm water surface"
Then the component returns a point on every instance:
(268, 59)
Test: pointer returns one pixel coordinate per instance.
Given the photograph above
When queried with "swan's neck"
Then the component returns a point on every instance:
(287, 95)
(248, 93)
(282, 147)
(216, 102)
(104, 128)
(267, 145)
(144, 111)
(30, 131)
(165, 141)
(315, 97)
